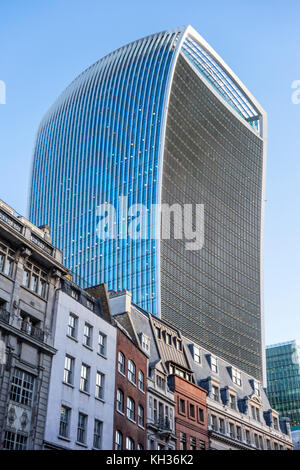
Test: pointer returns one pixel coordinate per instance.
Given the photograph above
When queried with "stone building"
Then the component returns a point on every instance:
(81, 391)
(30, 272)
(239, 413)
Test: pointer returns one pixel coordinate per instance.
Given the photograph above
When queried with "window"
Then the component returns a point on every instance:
(14, 441)
(145, 343)
(236, 377)
(193, 445)
(232, 400)
(160, 382)
(248, 437)
(222, 426)
(141, 381)
(201, 414)
(214, 364)
(181, 405)
(192, 410)
(120, 401)
(276, 423)
(256, 440)
(256, 388)
(268, 444)
(140, 416)
(215, 392)
(6, 260)
(22, 387)
(238, 433)
(260, 440)
(129, 443)
(158, 332)
(102, 341)
(64, 423)
(131, 371)
(100, 378)
(178, 345)
(121, 362)
(275, 446)
(231, 430)
(35, 279)
(69, 370)
(87, 335)
(98, 426)
(72, 326)
(84, 378)
(182, 442)
(140, 447)
(197, 355)
(201, 445)
(214, 423)
(81, 429)
(168, 339)
(257, 414)
(130, 409)
(119, 441)
(75, 294)
(90, 304)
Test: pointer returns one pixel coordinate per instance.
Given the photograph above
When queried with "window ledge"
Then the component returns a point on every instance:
(103, 357)
(72, 338)
(132, 421)
(64, 438)
(85, 393)
(81, 444)
(120, 412)
(100, 399)
(87, 347)
(68, 385)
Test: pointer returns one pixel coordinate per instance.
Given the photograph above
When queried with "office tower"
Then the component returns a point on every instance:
(283, 378)
(162, 120)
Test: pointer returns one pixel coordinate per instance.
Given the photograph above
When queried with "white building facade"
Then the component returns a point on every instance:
(81, 392)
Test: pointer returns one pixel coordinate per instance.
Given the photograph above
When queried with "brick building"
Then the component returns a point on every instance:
(130, 414)
(190, 414)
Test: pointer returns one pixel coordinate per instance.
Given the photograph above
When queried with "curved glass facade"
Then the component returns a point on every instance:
(161, 120)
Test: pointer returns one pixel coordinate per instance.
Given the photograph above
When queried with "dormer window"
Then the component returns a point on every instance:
(145, 343)
(275, 421)
(178, 345)
(158, 332)
(168, 339)
(215, 393)
(256, 385)
(197, 355)
(236, 377)
(232, 401)
(214, 364)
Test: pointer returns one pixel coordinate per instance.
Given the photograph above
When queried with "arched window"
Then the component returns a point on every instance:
(141, 381)
(119, 440)
(129, 443)
(130, 409)
(120, 401)
(121, 362)
(140, 416)
(131, 371)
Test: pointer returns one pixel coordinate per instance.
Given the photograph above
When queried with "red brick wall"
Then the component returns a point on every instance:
(192, 427)
(122, 423)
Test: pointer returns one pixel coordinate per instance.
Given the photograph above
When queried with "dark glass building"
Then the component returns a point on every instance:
(283, 379)
(162, 120)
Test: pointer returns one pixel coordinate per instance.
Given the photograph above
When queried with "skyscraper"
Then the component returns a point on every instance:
(162, 120)
(283, 379)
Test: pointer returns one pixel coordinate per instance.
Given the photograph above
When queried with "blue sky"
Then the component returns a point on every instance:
(45, 44)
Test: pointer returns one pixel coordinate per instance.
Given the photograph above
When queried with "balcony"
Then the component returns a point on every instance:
(4, 315)
(31, 330)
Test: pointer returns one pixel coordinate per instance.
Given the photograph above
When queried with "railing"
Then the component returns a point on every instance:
(31, 330)
(10, 221)
(163, 424)
(4, 315)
